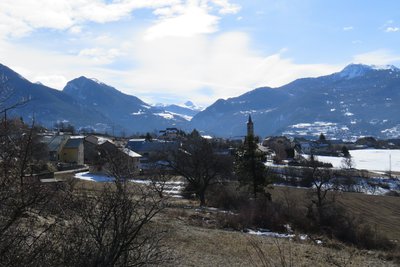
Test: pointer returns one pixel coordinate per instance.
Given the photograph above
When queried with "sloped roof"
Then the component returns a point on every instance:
(54, 143)
(140, 145)
(73, 143)
(130, 153)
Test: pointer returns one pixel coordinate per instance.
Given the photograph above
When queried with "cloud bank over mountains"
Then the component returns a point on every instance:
(160, 50)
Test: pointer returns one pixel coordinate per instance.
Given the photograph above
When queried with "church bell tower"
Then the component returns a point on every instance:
(250, 127)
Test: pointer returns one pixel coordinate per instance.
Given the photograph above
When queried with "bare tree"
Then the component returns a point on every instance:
(347, 163)
(114, 226)
(40, 226)
(23, 199)
(323, 182)
(198, 163)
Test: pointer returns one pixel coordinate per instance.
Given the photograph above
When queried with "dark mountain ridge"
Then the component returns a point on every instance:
(359, 100)
(84, 103)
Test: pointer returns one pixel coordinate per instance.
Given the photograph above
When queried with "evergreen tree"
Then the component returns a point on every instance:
(148, 137)
(346, 152)
(322, 138)
(249, 166)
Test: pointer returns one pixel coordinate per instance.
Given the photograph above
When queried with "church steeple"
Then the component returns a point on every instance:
(250, 127)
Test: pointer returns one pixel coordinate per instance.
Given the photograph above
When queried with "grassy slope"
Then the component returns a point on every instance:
(198, 246)
(380, 211)
(192, 245)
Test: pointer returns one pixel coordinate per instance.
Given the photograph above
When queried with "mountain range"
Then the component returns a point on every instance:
(87, 103)
(360, 100)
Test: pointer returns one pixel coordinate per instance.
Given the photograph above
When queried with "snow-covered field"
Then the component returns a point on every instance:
(369, 159)
(172, 188)
(93, 177)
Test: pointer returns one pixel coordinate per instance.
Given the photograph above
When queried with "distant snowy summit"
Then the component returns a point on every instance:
(191, 105)
(187, 105)
(186, 110)
(356, 70)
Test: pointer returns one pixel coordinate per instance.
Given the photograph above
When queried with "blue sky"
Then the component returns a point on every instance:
(171, 51)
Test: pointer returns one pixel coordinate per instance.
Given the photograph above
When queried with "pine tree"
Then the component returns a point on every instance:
(249, 166)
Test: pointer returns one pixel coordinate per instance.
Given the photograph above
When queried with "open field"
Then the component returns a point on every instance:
(382, 212)
(193, 241)
(381, 160)
(197, 246)
(193, 237)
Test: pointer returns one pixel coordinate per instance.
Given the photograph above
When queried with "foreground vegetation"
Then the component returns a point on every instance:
(196, 236)
(120, 223)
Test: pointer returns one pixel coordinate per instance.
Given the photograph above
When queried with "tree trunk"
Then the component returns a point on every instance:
(202, 197)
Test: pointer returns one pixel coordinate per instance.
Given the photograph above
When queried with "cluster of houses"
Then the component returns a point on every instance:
(281, 148)
(67, 151)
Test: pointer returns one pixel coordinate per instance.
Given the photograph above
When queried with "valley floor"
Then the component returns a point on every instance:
(194, 241)
(193, 237)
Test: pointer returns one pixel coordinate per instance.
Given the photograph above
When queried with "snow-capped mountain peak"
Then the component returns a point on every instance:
(191, 105)
(354, 70)
(385, 67)
(357, 70)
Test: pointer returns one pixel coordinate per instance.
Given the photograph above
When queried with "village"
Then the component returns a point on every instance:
(73, 153)
(178, 189)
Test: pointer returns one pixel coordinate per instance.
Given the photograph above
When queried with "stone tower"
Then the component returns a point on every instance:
(250, 127)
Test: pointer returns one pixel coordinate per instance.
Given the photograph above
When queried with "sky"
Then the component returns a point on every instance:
(171, 51)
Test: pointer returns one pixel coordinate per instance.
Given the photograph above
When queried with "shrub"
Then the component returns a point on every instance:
(393, 194)
(227, 197)
(254, 213)
(189, 191)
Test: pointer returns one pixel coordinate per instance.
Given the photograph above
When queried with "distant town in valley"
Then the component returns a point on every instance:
(265, 164)
(199, 133)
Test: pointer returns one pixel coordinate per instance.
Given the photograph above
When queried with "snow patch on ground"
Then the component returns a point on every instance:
(186, 117)
(171, 188)
(146, 107)
(93, 177)
(140, 112)
(167, 116)
(369, 159)
(316, 128)
(268, 233)
(393, 132)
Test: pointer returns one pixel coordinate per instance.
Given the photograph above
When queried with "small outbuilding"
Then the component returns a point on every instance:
(73, 151)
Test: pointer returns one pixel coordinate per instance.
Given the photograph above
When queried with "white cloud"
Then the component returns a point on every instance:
(75, 29)
(173, 58)
(53, 81)
(392, 29)
(377, 57)
(202, 68)
(20, 17)
(189, 18)
(24, 16)
(348, 28)
(226, 7)
(100, 55)
(183, 21)
(51, 69)
(206, 68)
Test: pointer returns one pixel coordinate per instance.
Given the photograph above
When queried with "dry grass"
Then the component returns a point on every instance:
(191, 242)
(382, 212)
(197, 246)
